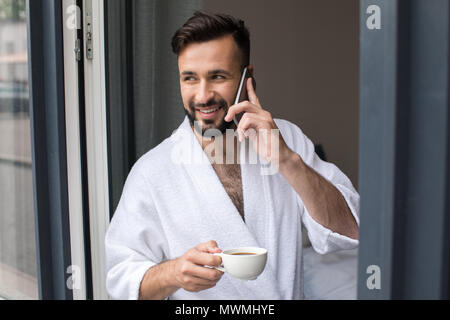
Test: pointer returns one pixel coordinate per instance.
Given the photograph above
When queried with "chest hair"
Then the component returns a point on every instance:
(231, 179)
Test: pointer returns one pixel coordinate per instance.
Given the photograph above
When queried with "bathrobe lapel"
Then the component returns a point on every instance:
(222, 211)
(223, 217)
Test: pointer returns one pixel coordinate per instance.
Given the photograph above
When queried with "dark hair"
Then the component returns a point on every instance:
(204, 26)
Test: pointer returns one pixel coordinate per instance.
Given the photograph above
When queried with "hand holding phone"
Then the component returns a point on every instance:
(241, 94)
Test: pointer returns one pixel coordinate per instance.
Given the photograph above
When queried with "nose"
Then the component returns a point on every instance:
(204, 93)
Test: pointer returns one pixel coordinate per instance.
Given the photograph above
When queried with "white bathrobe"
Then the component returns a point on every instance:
(173, 200)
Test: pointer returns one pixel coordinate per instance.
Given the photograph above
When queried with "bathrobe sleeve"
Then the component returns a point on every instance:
(134, 241)
(323, 240)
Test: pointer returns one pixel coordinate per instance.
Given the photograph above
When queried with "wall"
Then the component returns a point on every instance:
(306, 58)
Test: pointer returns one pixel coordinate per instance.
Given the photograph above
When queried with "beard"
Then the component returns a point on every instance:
(206, 124)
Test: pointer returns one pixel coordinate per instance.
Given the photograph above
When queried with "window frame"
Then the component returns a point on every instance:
(48, 144)
(404, 171)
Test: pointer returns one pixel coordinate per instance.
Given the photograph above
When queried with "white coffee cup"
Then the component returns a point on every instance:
(245, 263)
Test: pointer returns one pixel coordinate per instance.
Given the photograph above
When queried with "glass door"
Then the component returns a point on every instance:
(54, 208)
(18, 263)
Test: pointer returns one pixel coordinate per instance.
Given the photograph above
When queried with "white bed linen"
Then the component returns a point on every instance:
(331, 276)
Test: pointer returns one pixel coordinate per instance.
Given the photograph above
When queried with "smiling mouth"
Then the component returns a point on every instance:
(209, 111)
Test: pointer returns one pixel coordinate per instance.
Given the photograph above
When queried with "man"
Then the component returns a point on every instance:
(175, 212)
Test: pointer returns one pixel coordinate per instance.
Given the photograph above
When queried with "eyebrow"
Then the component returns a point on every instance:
(216, 71)
(219, 71)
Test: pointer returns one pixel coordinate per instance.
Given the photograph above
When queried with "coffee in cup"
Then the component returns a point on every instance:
(245, 263)
(242, 253)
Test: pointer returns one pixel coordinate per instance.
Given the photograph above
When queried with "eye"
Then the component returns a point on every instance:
(189, 78)
(218, 77)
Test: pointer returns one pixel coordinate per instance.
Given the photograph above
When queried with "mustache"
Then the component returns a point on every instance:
(209, 103)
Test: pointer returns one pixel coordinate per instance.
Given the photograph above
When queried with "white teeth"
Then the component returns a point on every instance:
(209, 111)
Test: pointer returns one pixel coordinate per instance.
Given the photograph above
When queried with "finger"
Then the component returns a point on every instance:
(264, 144)
(203, 258)
(251, 93)
(209, 247)
(205, 273)
(195, 283)
(250, 120)
(204, 282)
(241, 107)
(240, 133)
(249, 125)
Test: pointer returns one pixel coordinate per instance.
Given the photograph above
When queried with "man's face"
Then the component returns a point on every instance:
(209, 77)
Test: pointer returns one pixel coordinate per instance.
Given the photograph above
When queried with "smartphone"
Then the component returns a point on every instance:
(241, 94)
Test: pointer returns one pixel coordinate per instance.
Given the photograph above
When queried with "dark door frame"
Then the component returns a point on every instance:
(48, 143)
(404, 170)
